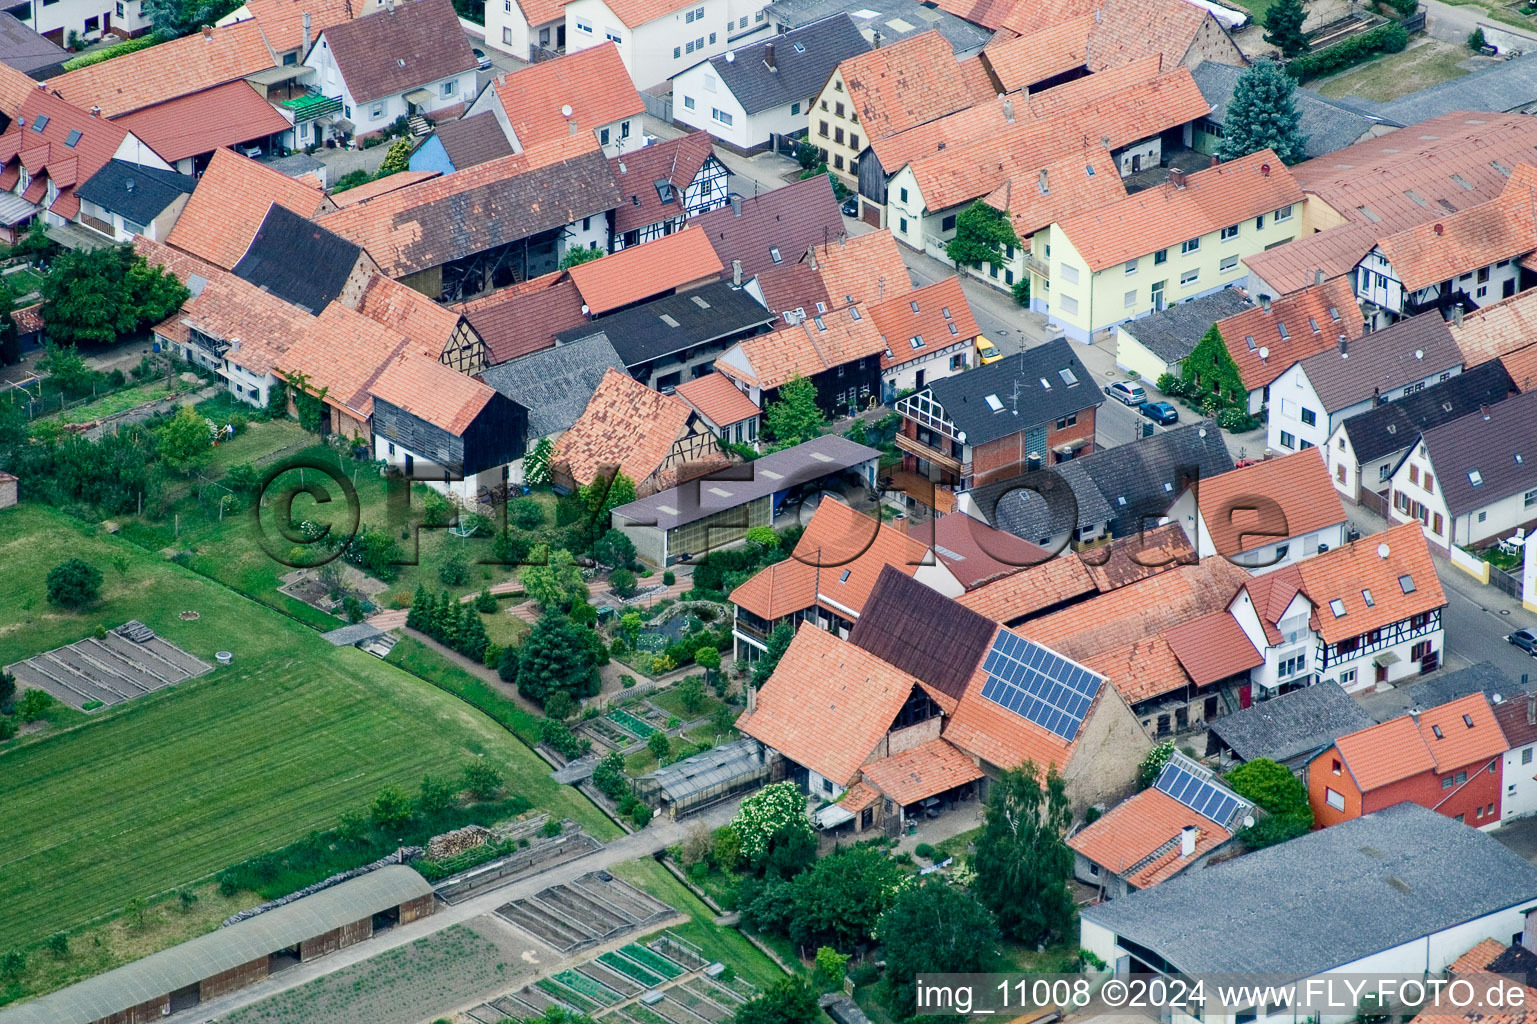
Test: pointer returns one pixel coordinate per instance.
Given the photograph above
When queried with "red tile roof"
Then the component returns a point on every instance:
(817, 344)
(525, 317)
(865, 268)
(1212, 647)
(1129, 29)
(1478, 958)
(344, 353)
(717, 399)
(911, 81)
(974, 552)
(938, 314)
(592, 82)
(1298, 483)
(827, 705)
(29, 319)
(1461, 743)
(1313, 319)
(383, 186)
(399, 307)
(47, 155)
(1342, 574)
(642, 271)
(404, 47)
(1023, 593)
(626, 425)
(923, 771)
(1334, 252)
(1127, 838)
(1382, 754)
(636, 173)
(427, 389)
(231, 201)
(282, 21)
(1167, 214)
(1025, 60)
(1518, 719)
(1503, 228)
(202, 122)
(1492, 331)
(167, 70)
(1143, 669)
(1522, 367)
(990, 731)
(1070, 189)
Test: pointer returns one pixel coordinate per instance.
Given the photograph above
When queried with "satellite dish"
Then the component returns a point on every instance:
(730, 56)
(1264, 352)
(1248, 821)
(1419, 353)
(565, 111)
(1383, 551)
(1203, 431)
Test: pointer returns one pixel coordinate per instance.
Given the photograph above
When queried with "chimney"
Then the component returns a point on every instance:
(876, 39)
(1177, 176)
(752, 699)
(1484, 409)
(1264, 303)
(207, 32)
(95, 111)
(1457, 314)
(306, 34)
(736, 206)
(1438, 229)
(1531, 709)
(1342, 346)
(1187, 841)
(1318, 276)
(1264, 170)
(1043, 183)
(811, 257)
(768, 55)
(1213, 162)
(736, 273)
(1008, 111)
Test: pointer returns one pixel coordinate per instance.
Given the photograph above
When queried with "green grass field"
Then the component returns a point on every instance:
(116, 402)
(169, 788)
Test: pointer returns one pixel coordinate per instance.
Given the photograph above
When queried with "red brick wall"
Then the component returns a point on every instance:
(1321, 775)
(1005, 457)
(1481, 790)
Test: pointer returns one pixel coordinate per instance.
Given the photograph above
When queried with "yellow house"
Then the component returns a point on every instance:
(1176, 241)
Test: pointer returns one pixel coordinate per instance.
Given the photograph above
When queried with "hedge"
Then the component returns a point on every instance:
(1389, 38)
(85, 60)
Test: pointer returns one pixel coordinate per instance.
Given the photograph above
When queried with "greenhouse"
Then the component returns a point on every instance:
(696, 782)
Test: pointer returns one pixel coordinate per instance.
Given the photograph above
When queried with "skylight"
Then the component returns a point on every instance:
(1475, 478)
(845, 577)
(993, 403)
(1313, 324)
(1467, 720)
(1406, 584)
(914, 305)
(800, 47)
(1334, 314)
(73, 138)
(1338, 608)
(40, 123)
(702, 304)
(1366, 595)
(774, 254)
(820, 325)
(954, 329)
(1068, 376)
(854, 313)
(1249, 340)
(916, 341)
(1437, 730)
(1045, 384)
(945, 310)
(1282, 327)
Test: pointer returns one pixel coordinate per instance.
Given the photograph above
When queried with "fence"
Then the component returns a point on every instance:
(1505, 582)
(1374, 502)
(1470, 564)
(658, 105)
(1416, 21)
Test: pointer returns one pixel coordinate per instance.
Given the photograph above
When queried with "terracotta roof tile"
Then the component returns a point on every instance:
(1166, 215)
(942, 317)
(1334, 252)
(1512, 714)
(473, 140)
(430, 391)
(1029, 18)
(404, 47)
(1138, 830)
(231, 201)
(777, 590)
(790, 219)
(1460, 743)
(1385, 753)
(1492, 331)
(15, 87)
(995, 734)
(627, 425)
(1330, 306)
(167, 70)
(636, 173)
(819, 343)
(429, 325)
(29, 319)
(1522, 367)
(1299, 483)
(865, 268)
(911, 81)
(1143, 669)
(1477, 958)
(987, 13)
(592, 82)
(827, 705)
(47, 155)
(858, 797)
(974, 552)
(1459, 243)
(282, 21)
(642, 271)
(717, 399)
(1025, 60)
(202, 122)
(1028, 591)
(1342, 574)
(925, 770)
(526, 317)
(1070, 190)
(1129, 29)
(344, 352)
(383, 186)
(1212, 647)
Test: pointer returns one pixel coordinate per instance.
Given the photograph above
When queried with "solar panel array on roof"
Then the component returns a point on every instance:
(1037, 685)
(1185, 782)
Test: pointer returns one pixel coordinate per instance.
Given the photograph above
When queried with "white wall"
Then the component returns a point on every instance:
(1292, 395)
(587, 233)
(426, 471)
(658, 50)
(935, 366)
(745, 131)
(244, 385)
(377, 114)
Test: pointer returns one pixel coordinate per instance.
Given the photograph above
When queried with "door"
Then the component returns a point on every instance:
(919, 385)
(1381, 674)
(1158, 296)
(1245, 695)
(1136, 163)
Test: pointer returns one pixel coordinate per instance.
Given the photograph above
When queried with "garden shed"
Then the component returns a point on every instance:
(696, 782)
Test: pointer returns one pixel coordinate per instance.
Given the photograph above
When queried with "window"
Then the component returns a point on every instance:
(1228, 264)
(712, 39)
(838, 136)
(838, 109)
(1284, 213)
(1067, 421)
(677, 51)
(1069, 273)
(507, 35)
(822, 129)
(903, 222)
(1529, 499)
(1435, 526)
(93, 23)
(1193, 245)
(376, 111)
(1131, 299)
(1347, 677)
(582, 26)
(903, 193)
(612, 35)
(1288, 440)
(1309, 417)
(853, 141)
(1333, 799)
(1190, 277)
(1526, 756)
(1161, 256)
(1259, 222)
(1230, 233)
(1462, 778)
(688, 103)
(1131, 267)
(1068, 304)
(1430, 483)
(838, 161)
(795, 108)
(774, 254)
(1336, 767)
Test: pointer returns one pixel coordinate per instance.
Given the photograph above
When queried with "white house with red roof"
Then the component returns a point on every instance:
(656, 39)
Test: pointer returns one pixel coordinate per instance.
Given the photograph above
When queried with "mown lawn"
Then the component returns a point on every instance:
(169, 788)
(116, 402)
(1395, 74)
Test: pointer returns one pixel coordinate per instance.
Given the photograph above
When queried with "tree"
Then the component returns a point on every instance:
(1283, 20)
(557, 656)
(795, 416)
(841, 899)
(434, 795)
(12, 964)
(608, 775)
(67, 368)
(933, 927)
(185, 440)
(173, 18)
(660, 746)
(58, 945)
(1263, 115)
(7, 690)
(525, 513)
(555, 584)
(483, 779)
(1277, 792)
(396, 160)
(1023, 861)
(1476, 41)
(831, 967)
(981, 232)
(604, 495)
(100, 294)
(622, 581)
(559, 705)
(135, 911)
(1152, 765)
(691, 690)
(536, 464)
(576, 256)
(614, 548)
(775, 815)
(391, 809)
(34, 704)
(186, 899)
(778, 643)
(789, 1001)
(73, 584)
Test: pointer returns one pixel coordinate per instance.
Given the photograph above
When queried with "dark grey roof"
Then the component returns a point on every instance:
(1420, 346)
(791, 219)
(28, 52)
(346, 636)
(739, 483)
(223, 949)
(1393, 426)
(1325, 899)
(1128, 487)
(1029, 387)
(298, 260)
(926, 635)
(1508, 86)
(1172, 333)
(1499, 445)
(1481, 677)
(473, 140)
(696, 317)
(1292, 724)
(893, 19)
(137, 193)
(1326, 124)
(297, 165)
(555, 384)
(804, 58)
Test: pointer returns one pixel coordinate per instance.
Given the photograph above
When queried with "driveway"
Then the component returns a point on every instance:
(1519, 836)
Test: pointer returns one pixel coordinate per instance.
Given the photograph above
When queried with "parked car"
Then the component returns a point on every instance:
(1526, 639)
(253, 151)
(1160, 412)
(850, 206)
(987, 352)
(1127, 392)
(481, 60)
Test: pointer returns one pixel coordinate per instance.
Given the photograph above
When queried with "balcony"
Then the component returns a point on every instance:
(1037, 266)
(923, 451)
(311, 106)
